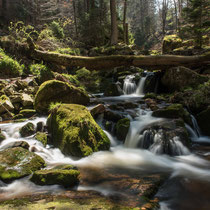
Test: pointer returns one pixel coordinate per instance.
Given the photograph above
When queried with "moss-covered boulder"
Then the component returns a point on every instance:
(173, 111)
(27, 113)
(75, 132)
(178, 78)
(113, 90)
(196, 100)
(17, 162)
(5, 104)
(57, 91)
(66, 178)
(42, 137)
(27, 130)
(204, 121)
(122, 128)
(170, 43)
(22, 144)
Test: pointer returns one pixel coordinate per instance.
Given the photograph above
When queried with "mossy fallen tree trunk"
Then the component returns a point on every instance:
(108, 62)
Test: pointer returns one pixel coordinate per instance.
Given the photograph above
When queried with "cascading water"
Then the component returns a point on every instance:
(129, 86)
(140, 87)
(195, 125)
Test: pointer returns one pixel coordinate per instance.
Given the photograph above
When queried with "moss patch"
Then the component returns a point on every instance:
(27, 130)
(122, 128)
(173, 111)
(42, 137)
(8, 66)
(18, 162)
(66, 178)
(75, 132)
(57, 91)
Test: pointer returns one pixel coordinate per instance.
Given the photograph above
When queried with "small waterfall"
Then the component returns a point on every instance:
(129, 86)
(157, 144)
(140, 87)
(195, 133)
(195, 126)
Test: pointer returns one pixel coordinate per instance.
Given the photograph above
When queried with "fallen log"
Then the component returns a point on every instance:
(108, 62)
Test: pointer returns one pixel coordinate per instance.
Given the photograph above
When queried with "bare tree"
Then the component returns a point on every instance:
(114, 28)
(164, 14)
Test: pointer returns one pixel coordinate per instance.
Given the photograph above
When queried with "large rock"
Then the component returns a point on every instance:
(173, 111)
(57, 91)
(166, 137)
(66, 178)
(27, 130)
(170, 43)
(5, 105)
(42, 137)
(113, 90)
(196, 100)
(75, 132)
(27, 100)
(17, 162)
(122, 128)
(178, 78)
(204, 121)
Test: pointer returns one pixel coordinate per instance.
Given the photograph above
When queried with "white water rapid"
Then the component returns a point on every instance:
(140, 87)
(129, 86)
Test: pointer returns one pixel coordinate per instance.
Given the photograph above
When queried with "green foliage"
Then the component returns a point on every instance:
(197, 18)
(83, 74)
(72, 79)
(46, 34)
(8, 66)
(20, 31)
(90, 80)
(41, 71)
(57, 30)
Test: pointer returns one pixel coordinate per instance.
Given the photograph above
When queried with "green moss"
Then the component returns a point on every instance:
(66, 178)
(72, 79)
(8, 66)
(122, 128)
(27, 130)
(173, 111)
(42, 137)
(68, 51)
(150, 95)
(196, 100)
(42, 72)
(57, 91)
(18, 162)
(75, 132)
(26, 113)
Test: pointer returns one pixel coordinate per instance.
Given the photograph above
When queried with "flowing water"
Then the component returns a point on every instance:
(129, 86)
(130, 157)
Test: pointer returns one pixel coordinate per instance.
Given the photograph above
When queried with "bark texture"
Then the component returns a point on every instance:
(108, 62)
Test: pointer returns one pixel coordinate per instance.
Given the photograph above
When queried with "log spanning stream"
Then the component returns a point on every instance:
(129, 158)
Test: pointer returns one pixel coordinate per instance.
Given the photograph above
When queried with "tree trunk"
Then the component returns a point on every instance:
(114, 29)
(75, 18)
(108, 62)
(124, 22)
(176, 15)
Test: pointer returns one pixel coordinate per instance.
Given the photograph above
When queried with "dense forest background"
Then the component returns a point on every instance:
(85, 23)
